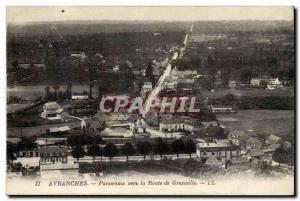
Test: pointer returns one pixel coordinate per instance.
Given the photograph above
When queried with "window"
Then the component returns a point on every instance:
(204, 153)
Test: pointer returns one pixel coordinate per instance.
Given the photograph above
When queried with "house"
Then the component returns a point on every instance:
(52, 111)
(255, 156)
(213, 161)
(55, 158)
(172, 86)
(209, 123)
(80, 97)
(79, 55)
(29, 153)
(172, 125)
(53, 154)
(274, 83)
(116, 68)
(286, 145)
(234, 137)
(223, 109)
(179, 124)
(143, 72)
(232, 84)
(29, 66)
(272, 139)
(147, 87)
(223, 150)
(255, 82)
(82, 107)
(59, 130)
(238, 162)
(254, 144)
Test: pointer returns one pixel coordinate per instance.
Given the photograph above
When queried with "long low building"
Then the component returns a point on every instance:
(223, 150)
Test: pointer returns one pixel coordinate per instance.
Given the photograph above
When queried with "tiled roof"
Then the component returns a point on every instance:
(53, 149)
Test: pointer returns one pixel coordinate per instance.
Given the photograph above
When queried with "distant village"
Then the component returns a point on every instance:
(60, 126)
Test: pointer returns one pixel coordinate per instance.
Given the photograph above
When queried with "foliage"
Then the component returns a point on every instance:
(128, 149)
(26, 143)
(11, 151)
(282, 155)
(190, 147)
(110, 150)
(161, 147)
(178, 147)
(94, 150)
(78, 152)
(144, 148)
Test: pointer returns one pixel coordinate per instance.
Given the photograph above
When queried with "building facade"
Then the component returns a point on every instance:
(223, 150)
(53, 154)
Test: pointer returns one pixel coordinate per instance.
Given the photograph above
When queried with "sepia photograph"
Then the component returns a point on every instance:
(163, 101)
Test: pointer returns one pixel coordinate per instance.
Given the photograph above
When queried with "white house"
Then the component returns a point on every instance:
(80, 97)
(170, 85)
(177, 124)
(80, 55)
(232, 84)
(223, 150)
(274, 83)
(116, 68)
(55, 158)
(147, 87)
(52, 111)
(255, 82)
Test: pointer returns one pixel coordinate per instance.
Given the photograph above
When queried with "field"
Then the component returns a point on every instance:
(277, 122)
(248, 92)
(39, 90)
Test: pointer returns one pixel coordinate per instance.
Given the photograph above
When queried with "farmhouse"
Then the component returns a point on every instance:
(254, 144)
(223, 150)
(53, 154)
(52, 111)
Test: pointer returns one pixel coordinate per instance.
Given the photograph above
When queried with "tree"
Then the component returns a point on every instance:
(281, 155)
(69, 90)
(26, 143)
(178, 147)
(91, 86)
(161, 147)
(11, 152)
(190, 147)
(128, 150)
(73, 140)
(144, 148)
(98, 140)
(263, 84)
(55, 88)
(94, 150)
(110, 150)
(78, 152)
(149, 72)
(246, 75)
(85, 139)
(230, 98)
(47, 89)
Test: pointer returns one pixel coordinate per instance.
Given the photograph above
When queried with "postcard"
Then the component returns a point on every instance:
(165, 101)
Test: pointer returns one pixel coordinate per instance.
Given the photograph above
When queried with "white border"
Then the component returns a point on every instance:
(4, 3)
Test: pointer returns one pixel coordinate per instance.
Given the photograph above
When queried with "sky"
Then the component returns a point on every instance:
(51, 13)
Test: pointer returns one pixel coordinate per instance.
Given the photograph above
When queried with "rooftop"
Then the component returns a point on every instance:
(216, 144)
(53, 149)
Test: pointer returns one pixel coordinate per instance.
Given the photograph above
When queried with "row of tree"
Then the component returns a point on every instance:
(145, 148)
(93, 147)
